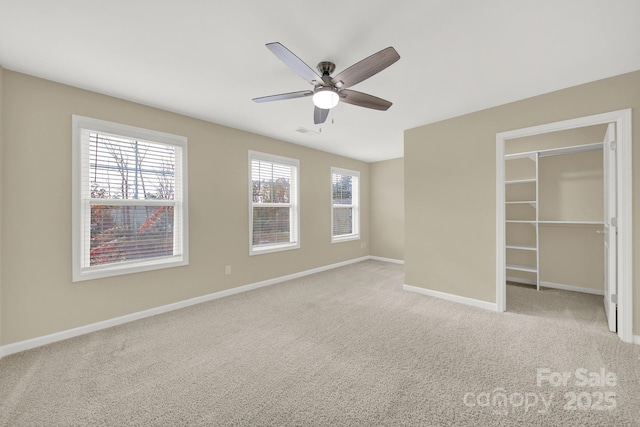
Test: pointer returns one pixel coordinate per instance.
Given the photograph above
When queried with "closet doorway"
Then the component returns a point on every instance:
(563, 211)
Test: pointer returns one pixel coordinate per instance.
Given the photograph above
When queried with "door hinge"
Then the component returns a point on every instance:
(614, 145)
(614, 298)
(614, 222)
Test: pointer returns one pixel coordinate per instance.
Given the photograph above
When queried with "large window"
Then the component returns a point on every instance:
(345, 205)
(129, 199)
(273, 200)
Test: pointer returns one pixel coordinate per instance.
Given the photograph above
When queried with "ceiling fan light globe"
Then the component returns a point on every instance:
(325, 98)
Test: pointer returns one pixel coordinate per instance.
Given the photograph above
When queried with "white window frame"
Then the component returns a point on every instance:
(81, 204)
(355, 206)
(294, 205)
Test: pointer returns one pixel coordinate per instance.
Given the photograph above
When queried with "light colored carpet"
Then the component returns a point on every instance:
(342, 347)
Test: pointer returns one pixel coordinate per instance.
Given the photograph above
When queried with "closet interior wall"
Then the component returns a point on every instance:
(554, 210)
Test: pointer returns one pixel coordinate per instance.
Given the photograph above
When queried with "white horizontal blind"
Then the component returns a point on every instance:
(123, 168)
(274, 207)
(345, 204)
(131, 201)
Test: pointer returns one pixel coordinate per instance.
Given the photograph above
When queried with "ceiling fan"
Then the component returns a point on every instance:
(327, 90)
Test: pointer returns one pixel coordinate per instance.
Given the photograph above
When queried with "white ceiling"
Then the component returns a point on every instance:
(207, 59)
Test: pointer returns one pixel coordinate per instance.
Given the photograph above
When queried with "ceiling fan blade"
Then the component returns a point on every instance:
(281, 96)
(364, 100)
(319, 115)
(292, 61)
(366, 68)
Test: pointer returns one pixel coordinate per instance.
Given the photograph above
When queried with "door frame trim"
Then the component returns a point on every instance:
(622, 119)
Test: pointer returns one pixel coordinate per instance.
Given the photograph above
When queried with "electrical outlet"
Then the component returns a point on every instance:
(363, 245)
(227, 269)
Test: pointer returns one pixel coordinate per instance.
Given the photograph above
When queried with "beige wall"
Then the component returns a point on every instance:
(450, 185)
(571, 189)
(387, 209)
(36, 275)
(572, 256)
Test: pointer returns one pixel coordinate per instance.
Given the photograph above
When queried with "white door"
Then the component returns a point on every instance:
(610, 229)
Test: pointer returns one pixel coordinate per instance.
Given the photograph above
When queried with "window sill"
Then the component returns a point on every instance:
(99, 272)
(345, 238)
(259, 250)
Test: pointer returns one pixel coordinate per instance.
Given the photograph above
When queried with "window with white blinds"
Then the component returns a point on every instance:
(273, 199)
(345, 205)
(129, 199)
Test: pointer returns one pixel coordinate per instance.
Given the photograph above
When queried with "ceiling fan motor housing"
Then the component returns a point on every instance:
(326, 68)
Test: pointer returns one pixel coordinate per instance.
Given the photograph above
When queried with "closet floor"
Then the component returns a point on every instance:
(586, 311)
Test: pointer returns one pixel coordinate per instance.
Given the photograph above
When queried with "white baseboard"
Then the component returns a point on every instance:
(451, 297)
(391, 260)
(19, 346)
(636, 339)
(557, 286)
